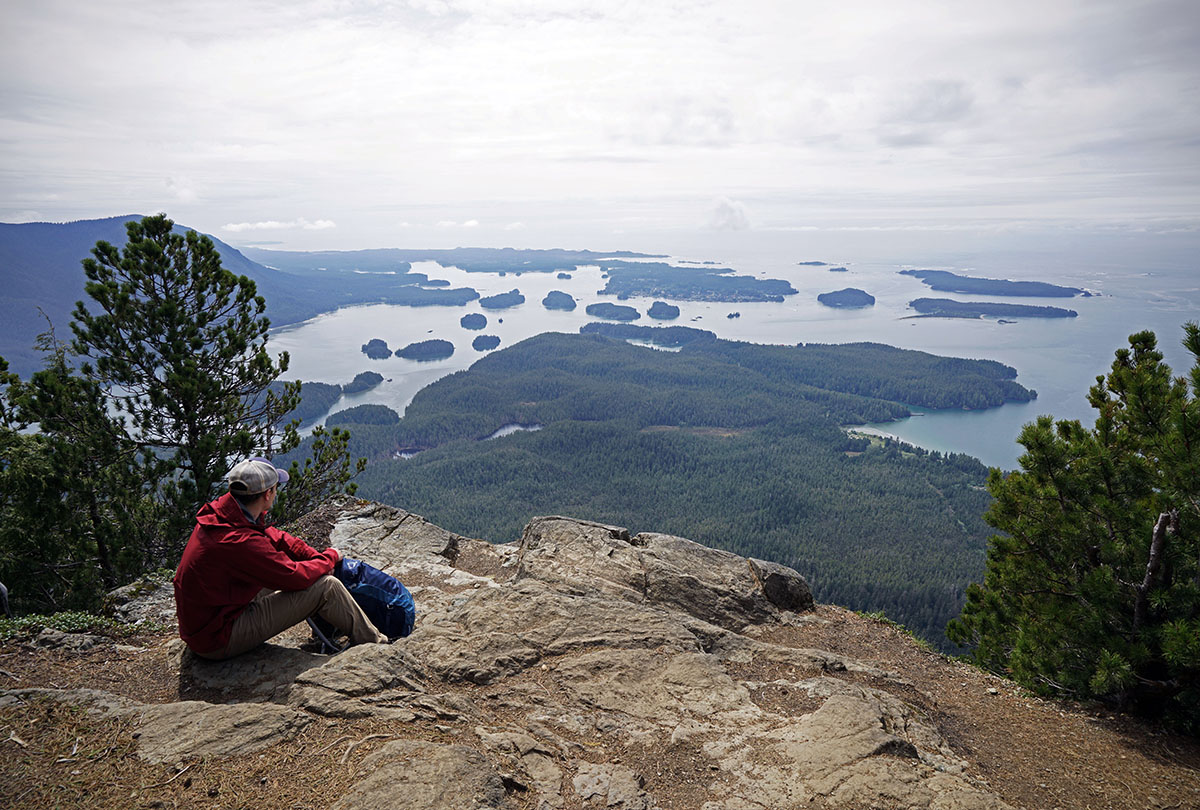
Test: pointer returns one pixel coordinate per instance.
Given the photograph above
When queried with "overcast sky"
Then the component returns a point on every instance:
(364, 123)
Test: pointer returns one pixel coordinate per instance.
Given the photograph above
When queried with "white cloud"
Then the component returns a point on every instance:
(181, 188)
(728, 215)
(276, 225)
(375, 112)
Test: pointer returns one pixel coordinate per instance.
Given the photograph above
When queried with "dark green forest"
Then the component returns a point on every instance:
(733, 445)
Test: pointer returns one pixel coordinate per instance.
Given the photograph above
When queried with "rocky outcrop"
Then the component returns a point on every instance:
(580, 666)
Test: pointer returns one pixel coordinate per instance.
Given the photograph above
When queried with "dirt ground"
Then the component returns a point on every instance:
(1035, 754)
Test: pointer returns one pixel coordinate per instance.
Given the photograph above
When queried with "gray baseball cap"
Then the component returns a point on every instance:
(254, 475)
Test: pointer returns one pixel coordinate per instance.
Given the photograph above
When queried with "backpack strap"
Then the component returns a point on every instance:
(328, 647)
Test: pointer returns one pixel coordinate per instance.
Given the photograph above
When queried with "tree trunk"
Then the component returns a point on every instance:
(1167, 521)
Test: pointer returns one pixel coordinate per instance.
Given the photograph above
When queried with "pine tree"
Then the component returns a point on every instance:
(178, 343)
(75, 519)
(1093, 590)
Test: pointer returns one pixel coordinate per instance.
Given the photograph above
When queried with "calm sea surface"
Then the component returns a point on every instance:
(1059, 358)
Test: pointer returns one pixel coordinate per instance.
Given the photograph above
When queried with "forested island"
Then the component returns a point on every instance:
(557, 299)
(503, 300)
(485, 343)
(656, 279)
(662, 311)
(427, 350)
(849, 298)
(839, 270)
(376, 349)
(364, 415)
(945, 281)
(362, 382)
(473, 320)
(614, 312)
(947, 308)
(737, 444)
(813, 264)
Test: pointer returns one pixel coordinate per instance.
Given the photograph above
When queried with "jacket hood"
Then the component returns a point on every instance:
(224, 511)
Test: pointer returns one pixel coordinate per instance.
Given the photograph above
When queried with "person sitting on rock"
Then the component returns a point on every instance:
(240, 582)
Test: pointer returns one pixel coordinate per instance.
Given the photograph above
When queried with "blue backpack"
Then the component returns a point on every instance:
(387, 603)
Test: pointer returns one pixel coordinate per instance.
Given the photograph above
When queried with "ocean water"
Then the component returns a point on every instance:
(1137, 283)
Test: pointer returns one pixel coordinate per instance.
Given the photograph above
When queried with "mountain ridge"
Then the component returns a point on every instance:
(577, 668)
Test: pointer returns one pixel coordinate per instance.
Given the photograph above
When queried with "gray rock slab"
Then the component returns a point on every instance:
(368, 680)
(367, 669)
(389, 538)
(144, 599)
(586, 558)
(527, 762)
(783, 586)
(496, 632)
(662, 686)
(611, 786)
(174, 731)
(418, 775)
(264, 673)
(51, 639)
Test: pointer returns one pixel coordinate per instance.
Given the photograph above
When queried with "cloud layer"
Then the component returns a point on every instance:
(370, 113)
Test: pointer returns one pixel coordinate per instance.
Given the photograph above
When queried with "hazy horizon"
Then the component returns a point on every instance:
(327, 124)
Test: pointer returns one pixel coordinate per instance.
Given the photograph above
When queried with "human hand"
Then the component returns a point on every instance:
(337, 555)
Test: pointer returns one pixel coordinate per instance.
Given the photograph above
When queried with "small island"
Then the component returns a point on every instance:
(376, 349)
(474, 320)
(556, 299)
(564, 276)
(838, 270)
(364, 415)
(505, 300)
(946, 308)
(849, 298)
(426, 350)
(944, 281)
(662, 311)
(485, 343)
(813, 264)
(613, 312)
(362, 382)
(733, 315)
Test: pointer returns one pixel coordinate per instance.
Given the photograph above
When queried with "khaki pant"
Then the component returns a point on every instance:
(272, 612)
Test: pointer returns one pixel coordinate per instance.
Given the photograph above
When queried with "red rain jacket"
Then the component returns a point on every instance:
(227, 561)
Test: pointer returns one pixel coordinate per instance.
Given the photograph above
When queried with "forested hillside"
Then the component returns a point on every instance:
(734, 445)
